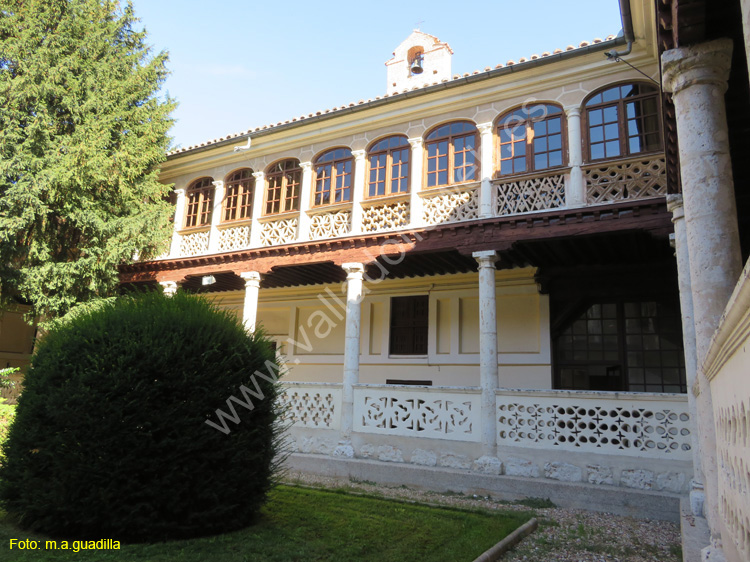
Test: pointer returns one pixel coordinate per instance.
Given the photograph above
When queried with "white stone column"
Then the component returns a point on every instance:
(697, 77)
(354, 276)
(259, 193)
(358, 190)
(250, 305)
(415, 183)
(169, 287)
(305, 197)
(179, 218)
(487, 168)
(675, 206)
(213, 237)
(575, 190)
(487, 361)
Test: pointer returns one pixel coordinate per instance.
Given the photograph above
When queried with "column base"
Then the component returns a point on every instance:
(697, 500)
(487, 465)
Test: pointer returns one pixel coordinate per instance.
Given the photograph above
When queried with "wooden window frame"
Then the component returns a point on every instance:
(420, 324)
(622, 121)
(332, 190)
(199, 198)
(289, 198)
(388, 152)
(530, 155)
(238, 196)
(451, 140)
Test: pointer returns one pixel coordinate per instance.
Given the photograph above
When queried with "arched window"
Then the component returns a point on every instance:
(389, 167)
(284, 181)
(530, 139)
(333, 177)
(623, 120)
(452, 154)
(200, 196)
(238, 201)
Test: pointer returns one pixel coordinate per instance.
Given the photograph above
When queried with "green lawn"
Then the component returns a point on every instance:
(304, 524)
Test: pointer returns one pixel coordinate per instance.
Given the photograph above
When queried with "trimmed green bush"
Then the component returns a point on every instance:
(111, 440)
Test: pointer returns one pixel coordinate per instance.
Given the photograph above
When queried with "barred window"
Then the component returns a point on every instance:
(409, 325)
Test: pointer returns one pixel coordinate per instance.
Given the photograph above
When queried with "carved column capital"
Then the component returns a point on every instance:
(359, 155)
(259, 176)
(416, 142)
(485, 258)
(353, 270)
(705, 63)
(306, 166)
(485, 128)
(572, 111)
(169, 287)
(251, 278)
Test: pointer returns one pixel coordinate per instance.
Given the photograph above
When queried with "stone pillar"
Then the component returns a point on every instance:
(487, 361)
(415, 183)
(179, 218)
(486, 168)
(697, 77)
(213, 237)
(354, 275)
(358, 190)
(305, 197)
(250, 306)
(259, 192)
(169, 287)
(675, 206)
(575, 190)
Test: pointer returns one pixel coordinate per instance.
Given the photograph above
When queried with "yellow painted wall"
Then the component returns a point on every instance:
(309, 327)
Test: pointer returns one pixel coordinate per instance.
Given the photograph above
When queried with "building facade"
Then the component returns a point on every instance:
(471, 271)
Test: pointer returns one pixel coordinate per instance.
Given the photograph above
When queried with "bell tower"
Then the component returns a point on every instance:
(419, 61)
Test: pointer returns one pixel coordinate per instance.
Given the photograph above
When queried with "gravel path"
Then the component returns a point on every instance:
(564, 535)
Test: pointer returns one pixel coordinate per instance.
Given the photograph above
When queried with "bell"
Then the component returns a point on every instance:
(416, 65)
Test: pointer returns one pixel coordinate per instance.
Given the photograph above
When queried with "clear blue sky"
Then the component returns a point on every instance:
(241, 64)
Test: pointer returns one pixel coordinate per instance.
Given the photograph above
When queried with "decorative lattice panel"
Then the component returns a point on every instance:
(527, 195)
(597, 425)
(234, 238)
(733, 452)
(631, 180)
(385, 217)
(451, 207)
(194, 243)
(330, 225)
(421, 413)
(312, 406)
(278, 232)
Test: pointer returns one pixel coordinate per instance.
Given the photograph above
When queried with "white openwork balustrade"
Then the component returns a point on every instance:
(640, 425)
(315, 405)
(234, 238)
(193, 243)
(434, 412)
(388, 216)
(330, 225)
(529, 194)
(275, 232)
(634, 179)
(608, 182)
(458, 204)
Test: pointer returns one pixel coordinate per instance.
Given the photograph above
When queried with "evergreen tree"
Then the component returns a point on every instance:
(82, 135)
